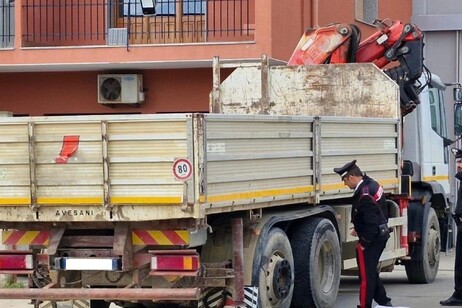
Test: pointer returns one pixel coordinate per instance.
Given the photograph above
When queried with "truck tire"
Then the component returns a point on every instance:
(275, 270)
(317, 257)
(425, 268)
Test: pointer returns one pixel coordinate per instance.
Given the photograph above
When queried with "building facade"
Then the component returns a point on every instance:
(52, 52)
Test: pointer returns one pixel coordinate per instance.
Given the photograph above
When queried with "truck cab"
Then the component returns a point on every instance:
(425, 132)
(426, 157)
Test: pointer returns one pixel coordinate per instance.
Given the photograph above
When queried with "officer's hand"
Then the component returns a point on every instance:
(353, 233)
(457, 218)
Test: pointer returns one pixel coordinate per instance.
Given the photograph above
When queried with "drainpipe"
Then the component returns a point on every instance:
(458, 64)
(314, 13)
(459, 56)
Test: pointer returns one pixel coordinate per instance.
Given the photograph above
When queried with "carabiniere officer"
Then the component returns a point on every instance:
(369, 217)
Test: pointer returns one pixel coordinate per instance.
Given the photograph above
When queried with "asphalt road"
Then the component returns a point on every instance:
(402, 293)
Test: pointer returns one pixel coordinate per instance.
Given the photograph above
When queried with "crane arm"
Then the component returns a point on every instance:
(393, 41)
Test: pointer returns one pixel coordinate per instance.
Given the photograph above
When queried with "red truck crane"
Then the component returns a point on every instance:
(394, 41)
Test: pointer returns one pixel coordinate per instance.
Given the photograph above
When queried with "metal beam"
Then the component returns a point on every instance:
(443, 22)
(103, 294)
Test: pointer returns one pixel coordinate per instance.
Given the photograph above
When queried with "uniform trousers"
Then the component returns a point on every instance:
(458, 265)
(371, 287)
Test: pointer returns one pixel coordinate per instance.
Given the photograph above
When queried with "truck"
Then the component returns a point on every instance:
(239, 206)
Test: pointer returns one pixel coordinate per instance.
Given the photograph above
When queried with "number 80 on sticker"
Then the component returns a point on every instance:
(182, 169)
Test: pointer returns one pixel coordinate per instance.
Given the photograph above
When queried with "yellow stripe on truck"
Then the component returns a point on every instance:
(258, 194)
(17, 237)
(15, 201)
(160, 237)
(69, 200)
(28, 237)
(340, 186)
(435, 178)
(91, 200)
(147, 200)
(281, 192)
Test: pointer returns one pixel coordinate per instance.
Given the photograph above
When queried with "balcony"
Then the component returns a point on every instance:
(51, 23)
(90, 35)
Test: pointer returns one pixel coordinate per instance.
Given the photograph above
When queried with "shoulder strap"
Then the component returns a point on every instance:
(366, 191)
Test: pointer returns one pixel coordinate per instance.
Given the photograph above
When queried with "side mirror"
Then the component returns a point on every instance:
(458, 119)
(148, 7)
(457, 94)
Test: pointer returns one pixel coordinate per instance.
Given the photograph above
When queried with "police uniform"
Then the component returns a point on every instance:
(368, 214)
(456, 298)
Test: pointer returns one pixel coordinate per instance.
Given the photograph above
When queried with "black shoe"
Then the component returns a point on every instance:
(388, 304)
(452, 301)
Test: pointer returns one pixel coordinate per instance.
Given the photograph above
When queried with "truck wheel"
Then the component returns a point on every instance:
(275, 270)
(317, 258)
(425, 268)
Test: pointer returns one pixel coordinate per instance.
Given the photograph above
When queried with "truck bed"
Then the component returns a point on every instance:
(123, 168)
(174, 166)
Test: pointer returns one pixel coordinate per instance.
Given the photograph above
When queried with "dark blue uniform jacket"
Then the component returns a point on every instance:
(368, 211)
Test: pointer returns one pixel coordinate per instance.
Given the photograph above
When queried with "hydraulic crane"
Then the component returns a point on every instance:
(393, 41)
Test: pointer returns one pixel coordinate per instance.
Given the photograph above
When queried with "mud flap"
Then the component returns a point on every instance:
(219, 297)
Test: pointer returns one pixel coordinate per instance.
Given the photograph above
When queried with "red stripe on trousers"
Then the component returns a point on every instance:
(362, 273)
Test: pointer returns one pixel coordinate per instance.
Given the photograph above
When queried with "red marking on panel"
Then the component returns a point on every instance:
(174, 237)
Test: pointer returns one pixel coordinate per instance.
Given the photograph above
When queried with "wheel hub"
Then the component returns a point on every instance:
(434, 243)
(279, 278)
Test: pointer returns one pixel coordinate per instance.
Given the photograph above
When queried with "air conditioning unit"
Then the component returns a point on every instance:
(120, 89)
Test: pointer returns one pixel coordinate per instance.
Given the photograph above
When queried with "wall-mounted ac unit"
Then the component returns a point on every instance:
(120, 89)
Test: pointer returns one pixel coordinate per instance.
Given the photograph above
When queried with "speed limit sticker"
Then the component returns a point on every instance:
(182, 169)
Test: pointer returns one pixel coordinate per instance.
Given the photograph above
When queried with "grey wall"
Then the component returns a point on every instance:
(433, 7)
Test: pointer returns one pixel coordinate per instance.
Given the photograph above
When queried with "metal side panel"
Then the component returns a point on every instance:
(374, 143)
(14, 165)
(257, 161)
(141, 161)
(79, 181)
(121, 169)
(347, 90)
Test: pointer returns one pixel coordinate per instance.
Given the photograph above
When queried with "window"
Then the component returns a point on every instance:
(437, 112)
(6, 23)
(132, 8)
(433, 112)
(194, 7)
(165, 7)
(367, 10)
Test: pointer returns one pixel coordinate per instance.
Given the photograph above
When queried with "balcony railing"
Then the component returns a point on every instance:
(120, 22)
